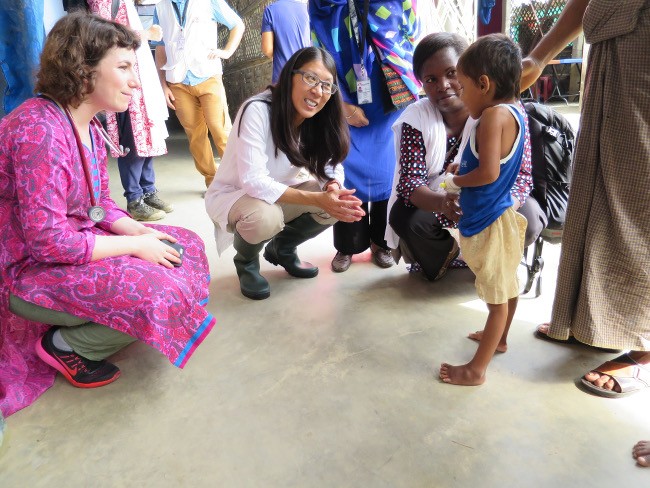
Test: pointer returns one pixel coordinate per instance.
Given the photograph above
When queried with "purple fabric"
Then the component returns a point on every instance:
(46, 250)
(289, 22)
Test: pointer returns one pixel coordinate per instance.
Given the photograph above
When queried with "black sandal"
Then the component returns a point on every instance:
(571, 340)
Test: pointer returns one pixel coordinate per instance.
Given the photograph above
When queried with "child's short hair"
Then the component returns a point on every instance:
(498, 57)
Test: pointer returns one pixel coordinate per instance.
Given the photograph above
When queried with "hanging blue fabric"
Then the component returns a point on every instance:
(21, 41)
(485, 10)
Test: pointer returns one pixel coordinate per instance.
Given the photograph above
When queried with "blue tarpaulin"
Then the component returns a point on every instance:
(21, 42)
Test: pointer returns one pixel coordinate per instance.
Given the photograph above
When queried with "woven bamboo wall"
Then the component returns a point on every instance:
(248, 71)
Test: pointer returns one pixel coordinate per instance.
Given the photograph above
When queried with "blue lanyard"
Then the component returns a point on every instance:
(181, 17)
(354, 20)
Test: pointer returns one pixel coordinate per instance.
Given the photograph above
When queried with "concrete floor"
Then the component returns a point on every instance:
(332, 382)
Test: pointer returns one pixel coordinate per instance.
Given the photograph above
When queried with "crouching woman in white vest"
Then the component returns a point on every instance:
(280, 180)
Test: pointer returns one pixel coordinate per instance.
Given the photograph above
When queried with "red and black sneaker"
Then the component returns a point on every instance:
(81, 372)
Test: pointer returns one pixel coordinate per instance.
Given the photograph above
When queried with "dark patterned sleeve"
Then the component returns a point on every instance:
(524, 182)
(412, 161)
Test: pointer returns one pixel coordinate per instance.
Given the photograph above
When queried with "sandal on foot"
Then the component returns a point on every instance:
(571, 340)
(630, 376)
(545, 337)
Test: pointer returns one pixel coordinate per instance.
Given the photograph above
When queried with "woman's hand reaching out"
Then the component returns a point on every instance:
(451, 207)
(531, 70)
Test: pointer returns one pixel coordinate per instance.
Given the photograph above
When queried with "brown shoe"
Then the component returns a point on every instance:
(453, 254)
(341, 262)
(154, 201)
(381, 257)
(140, 211)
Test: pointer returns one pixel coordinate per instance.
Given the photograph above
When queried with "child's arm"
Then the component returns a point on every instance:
(495, 136)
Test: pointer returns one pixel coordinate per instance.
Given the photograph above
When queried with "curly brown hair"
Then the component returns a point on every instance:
(73, 49)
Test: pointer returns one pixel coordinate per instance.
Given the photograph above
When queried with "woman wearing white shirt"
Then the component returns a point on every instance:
(280, 179)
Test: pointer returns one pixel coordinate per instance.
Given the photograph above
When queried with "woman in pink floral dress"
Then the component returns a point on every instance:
(69, 256)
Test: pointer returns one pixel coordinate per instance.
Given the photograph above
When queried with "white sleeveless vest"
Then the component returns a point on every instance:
(188, 48)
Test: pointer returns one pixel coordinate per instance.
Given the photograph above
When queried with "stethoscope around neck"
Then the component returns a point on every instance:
(96, 212)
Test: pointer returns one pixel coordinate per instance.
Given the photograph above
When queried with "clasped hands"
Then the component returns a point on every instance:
(341, 203)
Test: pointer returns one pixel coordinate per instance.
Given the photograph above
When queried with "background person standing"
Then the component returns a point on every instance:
(190, 72)
(368, 39)
(142, 127)
(285, 30)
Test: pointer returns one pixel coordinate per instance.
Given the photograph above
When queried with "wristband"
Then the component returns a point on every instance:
(449, 185)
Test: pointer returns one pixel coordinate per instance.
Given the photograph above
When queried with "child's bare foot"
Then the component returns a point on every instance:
(476, 336)
(461, 375)
(641, 452)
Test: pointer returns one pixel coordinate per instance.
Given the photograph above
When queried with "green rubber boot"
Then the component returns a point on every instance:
(247, 261)
(282, 248)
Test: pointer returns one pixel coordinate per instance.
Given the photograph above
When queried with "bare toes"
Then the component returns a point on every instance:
(642, 447)
(476, 336)
(602, 381)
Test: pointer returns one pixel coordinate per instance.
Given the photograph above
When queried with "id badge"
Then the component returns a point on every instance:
(364, 91)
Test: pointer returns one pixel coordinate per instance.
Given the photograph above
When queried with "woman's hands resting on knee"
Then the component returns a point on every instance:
(136, 240)
(149, 247)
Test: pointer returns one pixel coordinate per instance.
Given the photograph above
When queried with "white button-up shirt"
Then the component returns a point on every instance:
(250, 167)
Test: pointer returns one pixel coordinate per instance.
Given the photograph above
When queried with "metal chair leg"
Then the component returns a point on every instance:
(534, 269)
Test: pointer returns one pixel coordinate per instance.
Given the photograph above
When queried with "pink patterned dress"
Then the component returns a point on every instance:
(46, 249)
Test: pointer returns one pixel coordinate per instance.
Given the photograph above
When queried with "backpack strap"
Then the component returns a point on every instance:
(268, 102)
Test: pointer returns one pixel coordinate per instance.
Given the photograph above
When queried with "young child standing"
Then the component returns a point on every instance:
(491, 232)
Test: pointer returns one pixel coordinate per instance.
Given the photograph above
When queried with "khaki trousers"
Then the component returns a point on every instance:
(257, 221)
(201, 108)
(88, 339)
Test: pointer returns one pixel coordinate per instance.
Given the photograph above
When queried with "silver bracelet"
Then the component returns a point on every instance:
(352, 114)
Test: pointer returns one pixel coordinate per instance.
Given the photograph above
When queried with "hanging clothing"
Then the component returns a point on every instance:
(21, 41)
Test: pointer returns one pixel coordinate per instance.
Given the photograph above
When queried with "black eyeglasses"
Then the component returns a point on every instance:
(311, 79)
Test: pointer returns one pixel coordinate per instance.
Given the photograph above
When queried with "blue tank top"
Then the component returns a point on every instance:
(482, 205)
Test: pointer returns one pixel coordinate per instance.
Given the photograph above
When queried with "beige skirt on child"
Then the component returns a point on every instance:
(494, 254)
